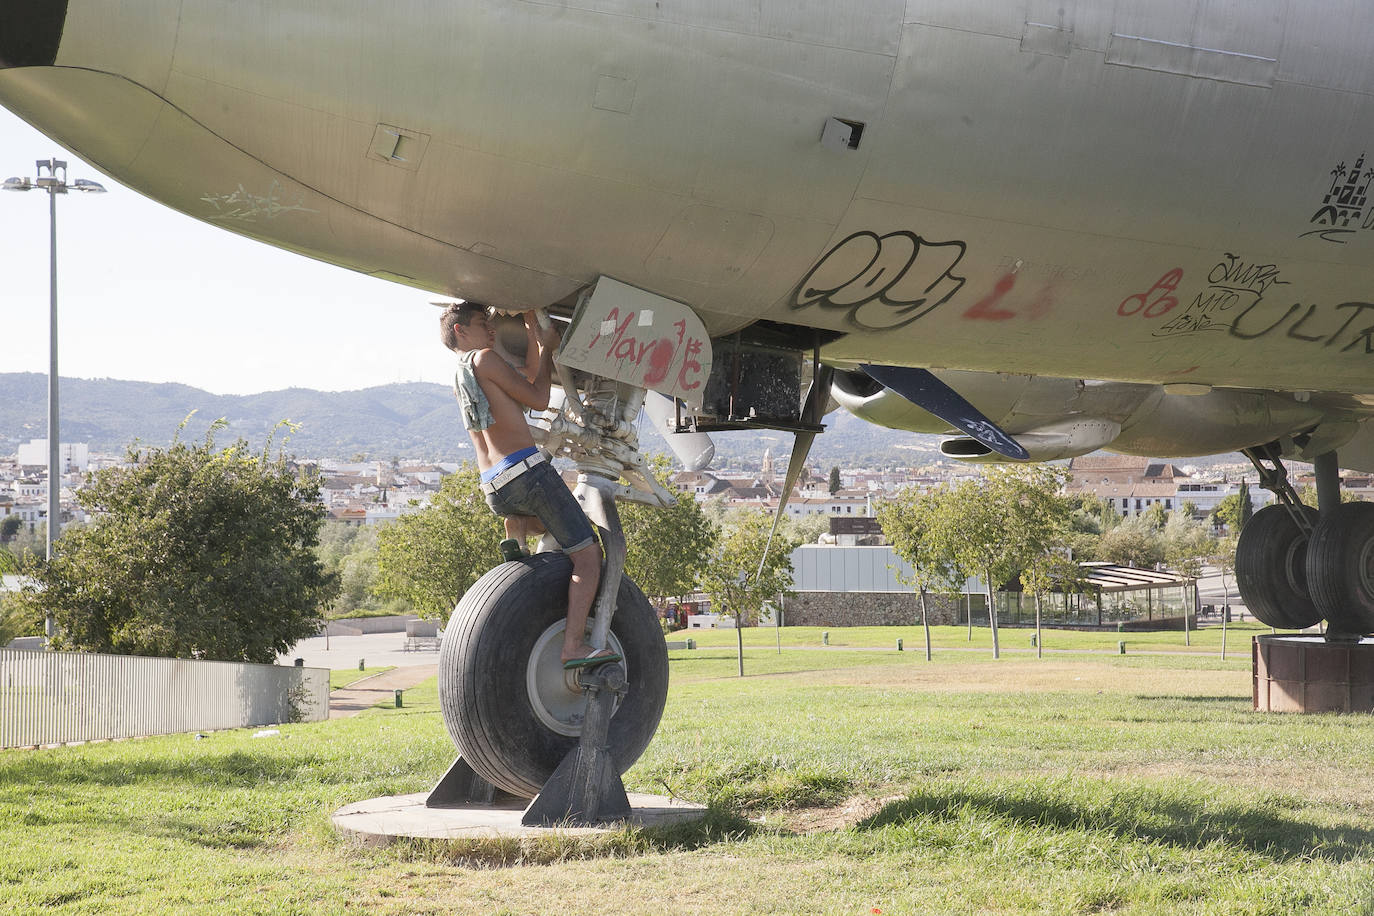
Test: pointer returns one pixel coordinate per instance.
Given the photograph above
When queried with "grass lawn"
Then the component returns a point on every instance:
(845, 781)
(1013, 639)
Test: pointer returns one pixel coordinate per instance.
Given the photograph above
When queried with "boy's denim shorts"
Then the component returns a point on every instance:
(540, 492)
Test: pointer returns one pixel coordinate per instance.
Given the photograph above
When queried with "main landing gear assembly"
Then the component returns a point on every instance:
(525, 727)
(1297, 566)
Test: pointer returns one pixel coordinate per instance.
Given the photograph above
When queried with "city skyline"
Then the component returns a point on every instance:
(148, 294)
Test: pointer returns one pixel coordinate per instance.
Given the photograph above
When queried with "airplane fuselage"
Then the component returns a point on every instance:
(1093, 189)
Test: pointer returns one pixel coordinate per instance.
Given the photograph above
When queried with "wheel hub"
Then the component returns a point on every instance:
(554, 693)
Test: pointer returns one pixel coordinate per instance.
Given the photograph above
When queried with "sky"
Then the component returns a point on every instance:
(147, 294)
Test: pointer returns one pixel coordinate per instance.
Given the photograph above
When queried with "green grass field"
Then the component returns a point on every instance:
(1013, 639)
(841, 781)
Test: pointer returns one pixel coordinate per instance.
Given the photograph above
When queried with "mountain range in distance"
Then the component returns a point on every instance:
(405, 420)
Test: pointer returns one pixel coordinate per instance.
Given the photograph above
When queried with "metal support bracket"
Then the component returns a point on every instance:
(586, 789)
(461, 787)
(1268, 461)
(597, 496)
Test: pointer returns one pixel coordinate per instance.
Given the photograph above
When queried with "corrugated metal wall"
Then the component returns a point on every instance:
(824, 568)
(61, 697)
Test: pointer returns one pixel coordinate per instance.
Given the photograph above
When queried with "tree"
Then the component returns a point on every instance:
(1247, 508)
(9, 527)
(834, 480)
(1187, 544)
(733, 577)
(431, 558)
(667, 548)
(1001, 524)
(193, 552)
(350, 552)
(806, 529)
(1042, 518)
(1307, 495)
(1132, 543)
(1235, 510)
(907, 520)
(1156, 516)
(1089, 518)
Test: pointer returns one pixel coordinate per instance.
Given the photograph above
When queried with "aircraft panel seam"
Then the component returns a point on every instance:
(685, 197)
(307, 186)
(712, 28)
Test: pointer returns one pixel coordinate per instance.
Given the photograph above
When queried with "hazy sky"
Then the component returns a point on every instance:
(148, 294)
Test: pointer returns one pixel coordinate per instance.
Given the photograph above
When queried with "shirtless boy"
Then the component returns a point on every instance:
(519, 483)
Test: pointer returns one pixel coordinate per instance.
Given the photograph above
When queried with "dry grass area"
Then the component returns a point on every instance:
(1051, 674)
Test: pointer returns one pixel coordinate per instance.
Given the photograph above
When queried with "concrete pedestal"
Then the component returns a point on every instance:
(1309, 674)
(378, 821)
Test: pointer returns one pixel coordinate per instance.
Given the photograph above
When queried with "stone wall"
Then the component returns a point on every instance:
(875, 609)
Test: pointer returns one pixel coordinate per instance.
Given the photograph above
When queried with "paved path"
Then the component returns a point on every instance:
(364, 694)
(377, 649)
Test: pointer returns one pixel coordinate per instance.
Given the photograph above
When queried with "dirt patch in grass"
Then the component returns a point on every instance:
(1041, 676)
(835, 817)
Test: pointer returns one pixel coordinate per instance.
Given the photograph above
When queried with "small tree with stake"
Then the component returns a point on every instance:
(1001, 525)
(740, 578)
(907, 521)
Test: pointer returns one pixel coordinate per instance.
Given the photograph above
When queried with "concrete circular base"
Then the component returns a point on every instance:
(379, 821)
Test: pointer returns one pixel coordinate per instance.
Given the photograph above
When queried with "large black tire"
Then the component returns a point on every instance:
(1271, 569)
(509, 706)
(1340, 568)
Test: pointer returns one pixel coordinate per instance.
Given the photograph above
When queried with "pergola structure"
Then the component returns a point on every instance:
(1118, 595)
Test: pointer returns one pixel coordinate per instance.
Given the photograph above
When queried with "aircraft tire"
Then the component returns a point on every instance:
(507, 703)
(1271, 569)
(1340, 568)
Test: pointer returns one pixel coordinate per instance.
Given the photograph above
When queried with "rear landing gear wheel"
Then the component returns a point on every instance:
(1271, 569)
(1340, 569)
(511, 709)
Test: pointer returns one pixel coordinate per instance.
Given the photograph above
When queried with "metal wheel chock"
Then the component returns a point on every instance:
(585, 789)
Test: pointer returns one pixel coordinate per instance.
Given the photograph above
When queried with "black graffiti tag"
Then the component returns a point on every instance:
(1346, 202)
(1231, 284)
(883, 282)
(1311, 324)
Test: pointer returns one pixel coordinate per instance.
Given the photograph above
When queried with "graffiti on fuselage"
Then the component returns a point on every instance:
(883, 281)
(1345, 208)
(1240, 299)
(1347, 326)
(1233, 286)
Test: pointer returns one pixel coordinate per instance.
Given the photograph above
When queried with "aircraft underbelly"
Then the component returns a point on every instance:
(1086, 188)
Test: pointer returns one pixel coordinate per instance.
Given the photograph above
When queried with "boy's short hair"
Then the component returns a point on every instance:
(456, 314)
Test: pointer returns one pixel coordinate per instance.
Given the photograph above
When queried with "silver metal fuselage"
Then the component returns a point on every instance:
(1150, 192)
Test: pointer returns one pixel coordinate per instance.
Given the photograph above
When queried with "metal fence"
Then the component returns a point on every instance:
(63, 697)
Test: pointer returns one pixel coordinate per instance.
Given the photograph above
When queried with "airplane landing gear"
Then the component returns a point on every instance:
(513, 711)
(1271, 567)
(1340, 569)
(509, 705)
(1296, 565)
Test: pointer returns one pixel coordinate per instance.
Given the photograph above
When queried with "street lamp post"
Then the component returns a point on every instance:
(52, 177)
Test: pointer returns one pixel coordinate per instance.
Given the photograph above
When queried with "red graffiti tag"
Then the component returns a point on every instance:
(985, 309)
(1157, 300)
(656, 356)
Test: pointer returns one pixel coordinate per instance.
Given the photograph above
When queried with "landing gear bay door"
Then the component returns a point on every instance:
(632, 336)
